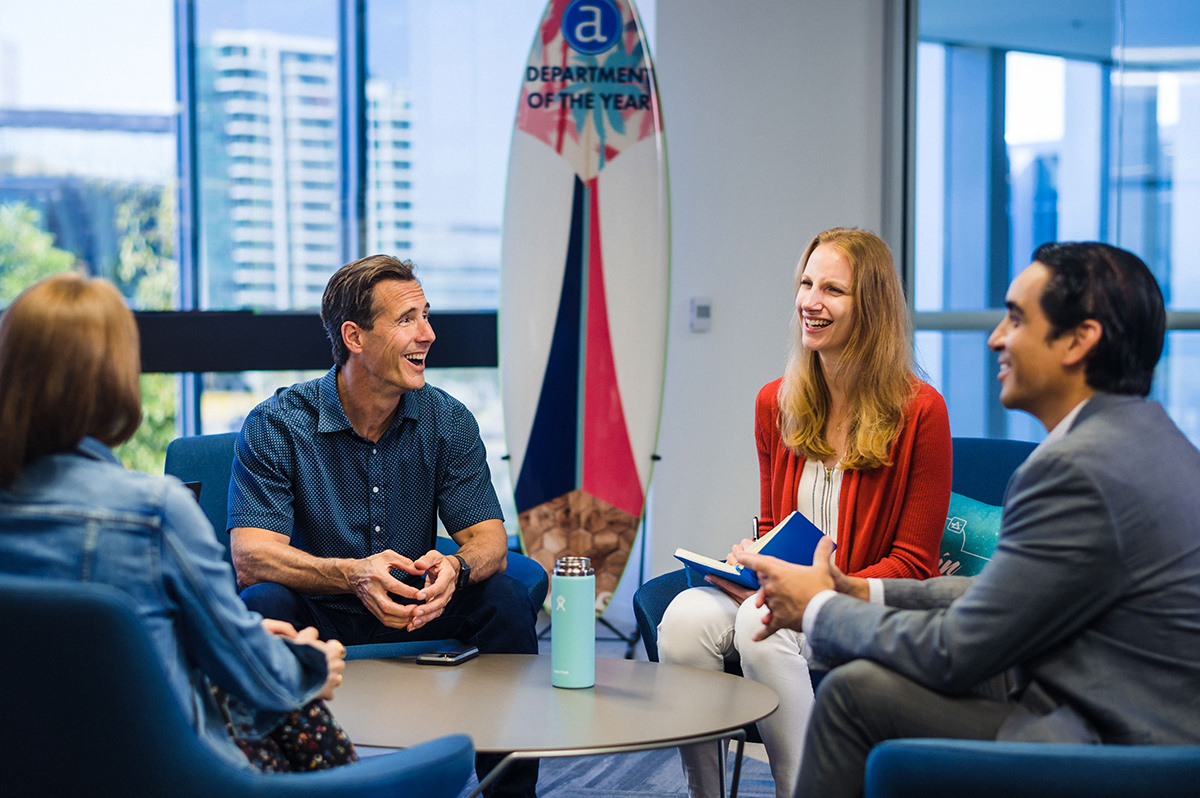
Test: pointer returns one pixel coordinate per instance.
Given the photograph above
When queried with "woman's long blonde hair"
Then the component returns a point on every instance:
(876, 366)
(69, 366)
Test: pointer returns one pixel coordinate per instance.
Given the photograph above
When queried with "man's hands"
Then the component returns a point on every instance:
(334, 651)
(852, 586)
(787, 588)
(260, 555)
(441, 575)
(372, 580)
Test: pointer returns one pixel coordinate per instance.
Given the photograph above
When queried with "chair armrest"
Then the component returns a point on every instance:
(989, 769)
(531, 574)
(650, 602)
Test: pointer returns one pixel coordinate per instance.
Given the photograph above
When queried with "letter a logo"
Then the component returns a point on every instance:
(591, 26)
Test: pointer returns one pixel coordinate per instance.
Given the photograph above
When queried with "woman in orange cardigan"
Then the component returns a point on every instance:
(851, 438)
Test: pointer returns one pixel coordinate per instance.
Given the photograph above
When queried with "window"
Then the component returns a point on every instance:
(272, 190)
(1074, 123)
(88, 165)
(263, 45)
(441, 90)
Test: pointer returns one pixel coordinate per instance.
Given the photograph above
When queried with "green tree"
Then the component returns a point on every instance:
(146, 270)
(27, 252)
(147, 449)
(147, 273)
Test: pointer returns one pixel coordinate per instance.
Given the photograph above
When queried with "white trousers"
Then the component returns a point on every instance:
(703, 627)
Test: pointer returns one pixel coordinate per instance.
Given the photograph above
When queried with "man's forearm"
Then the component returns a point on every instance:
(270, 561)
(485, 548)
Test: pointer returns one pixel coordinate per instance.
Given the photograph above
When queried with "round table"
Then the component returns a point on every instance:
(506, 703)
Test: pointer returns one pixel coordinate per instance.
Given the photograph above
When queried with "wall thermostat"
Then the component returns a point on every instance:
(701, 314)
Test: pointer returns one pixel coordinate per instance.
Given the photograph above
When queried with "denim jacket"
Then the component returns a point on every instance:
(81, 516)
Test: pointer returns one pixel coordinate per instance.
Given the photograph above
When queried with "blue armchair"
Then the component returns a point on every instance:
(88, 711)
(986, 769)
(208, 459)
(983, 466)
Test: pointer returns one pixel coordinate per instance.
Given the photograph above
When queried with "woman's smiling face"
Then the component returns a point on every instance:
(825, 303)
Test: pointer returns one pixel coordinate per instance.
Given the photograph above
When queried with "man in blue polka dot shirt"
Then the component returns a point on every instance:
(337, 484)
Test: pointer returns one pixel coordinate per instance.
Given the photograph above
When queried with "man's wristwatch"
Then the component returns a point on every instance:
(464, 573)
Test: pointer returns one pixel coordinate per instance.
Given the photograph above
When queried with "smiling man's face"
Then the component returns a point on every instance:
(394, 349)
(1032, 375)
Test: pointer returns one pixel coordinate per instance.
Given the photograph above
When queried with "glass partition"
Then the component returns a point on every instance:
(1039, 122)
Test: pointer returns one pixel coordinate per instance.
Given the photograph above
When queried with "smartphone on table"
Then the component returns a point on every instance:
(455, 657)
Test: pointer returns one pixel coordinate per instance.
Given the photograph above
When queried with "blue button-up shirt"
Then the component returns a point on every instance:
(301, 470)
(80, 516)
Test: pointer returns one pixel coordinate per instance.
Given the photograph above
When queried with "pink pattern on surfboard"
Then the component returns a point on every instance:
(588, 108)
(552, 22)
(609, 470)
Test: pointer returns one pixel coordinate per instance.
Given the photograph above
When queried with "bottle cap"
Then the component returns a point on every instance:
(573, 566)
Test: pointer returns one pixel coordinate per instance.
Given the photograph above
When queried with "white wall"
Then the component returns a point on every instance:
(774, 115)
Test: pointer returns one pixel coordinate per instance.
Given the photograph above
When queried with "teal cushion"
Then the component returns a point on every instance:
(972, 531)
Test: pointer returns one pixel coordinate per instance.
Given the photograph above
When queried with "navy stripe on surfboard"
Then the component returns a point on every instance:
(551, 455)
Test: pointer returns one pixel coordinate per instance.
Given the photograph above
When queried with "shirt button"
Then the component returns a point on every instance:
(376, 529)
(374, 451)
(375, 489)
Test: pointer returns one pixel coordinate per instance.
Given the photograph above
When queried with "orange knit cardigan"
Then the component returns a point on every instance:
(890, 519)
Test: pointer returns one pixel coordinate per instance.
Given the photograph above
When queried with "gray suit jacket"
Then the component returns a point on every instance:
(1093, 592)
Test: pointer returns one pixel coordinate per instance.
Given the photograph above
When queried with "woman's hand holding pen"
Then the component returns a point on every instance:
(745, 544)
(738, 548)
(736, 591)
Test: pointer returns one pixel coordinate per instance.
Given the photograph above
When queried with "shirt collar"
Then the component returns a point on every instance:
(1060, 429)
(94, 449)
(331, 416)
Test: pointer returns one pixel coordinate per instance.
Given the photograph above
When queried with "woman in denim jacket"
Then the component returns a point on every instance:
(69, 368)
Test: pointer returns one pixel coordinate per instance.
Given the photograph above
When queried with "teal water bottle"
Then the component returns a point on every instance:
(573, 623)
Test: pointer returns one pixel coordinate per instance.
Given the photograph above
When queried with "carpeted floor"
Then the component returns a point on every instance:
(649, 773)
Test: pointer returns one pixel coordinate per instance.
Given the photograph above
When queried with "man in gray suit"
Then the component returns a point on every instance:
(1093, 594)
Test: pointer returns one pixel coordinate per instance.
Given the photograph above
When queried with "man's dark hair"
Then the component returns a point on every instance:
(1089, 280)
(350, 296)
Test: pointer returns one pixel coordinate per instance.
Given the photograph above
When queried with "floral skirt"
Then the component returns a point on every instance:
(307, 739)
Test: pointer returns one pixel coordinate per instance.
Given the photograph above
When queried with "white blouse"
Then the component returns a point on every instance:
(817, 495)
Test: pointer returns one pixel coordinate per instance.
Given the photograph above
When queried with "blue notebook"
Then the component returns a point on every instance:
(793, 539)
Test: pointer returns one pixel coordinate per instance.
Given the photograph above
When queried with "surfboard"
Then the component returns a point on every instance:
(584, 287)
